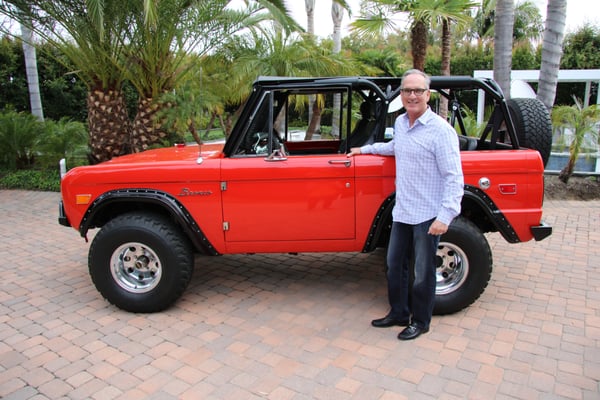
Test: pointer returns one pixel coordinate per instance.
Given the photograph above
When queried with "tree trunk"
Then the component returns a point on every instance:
(567, 171)
(337, 15)
(108, 124)
(310, 28)
(315, 121)
(209, 126)
(552, 51)
(503, 40)
(147, 130)
(418, 39)
(35, 99)
(445, 70)
(309, 5)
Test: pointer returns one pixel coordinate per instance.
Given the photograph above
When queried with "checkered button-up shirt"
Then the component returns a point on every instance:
(429, 178)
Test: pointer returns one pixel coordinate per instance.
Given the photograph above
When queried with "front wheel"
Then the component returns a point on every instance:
(464, 267)
(140, 262)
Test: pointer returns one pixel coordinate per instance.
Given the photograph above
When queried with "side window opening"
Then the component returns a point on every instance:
(261, 137)
(316, 121)
(313, 121)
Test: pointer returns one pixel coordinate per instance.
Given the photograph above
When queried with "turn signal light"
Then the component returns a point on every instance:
(82, 198)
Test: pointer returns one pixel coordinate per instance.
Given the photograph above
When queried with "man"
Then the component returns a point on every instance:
(429, 189)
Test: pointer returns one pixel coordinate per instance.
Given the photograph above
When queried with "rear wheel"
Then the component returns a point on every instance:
(464, 267)
(140, 262)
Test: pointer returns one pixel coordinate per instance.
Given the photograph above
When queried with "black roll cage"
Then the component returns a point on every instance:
(388, 88)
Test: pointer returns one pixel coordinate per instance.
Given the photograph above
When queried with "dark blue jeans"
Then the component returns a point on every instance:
(408, 243)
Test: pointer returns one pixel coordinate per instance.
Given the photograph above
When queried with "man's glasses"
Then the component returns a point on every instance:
(416, 92)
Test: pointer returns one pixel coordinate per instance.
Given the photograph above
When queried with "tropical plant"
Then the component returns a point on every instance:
(528, 25)
(195, 102)
(165, 32)
(580, 48)
(482, 27)
(109, 42)
(377, 17)
(63, 139)
(386, 62)
(582, 122)
(62, 92)
(91, 36)
(19, 139)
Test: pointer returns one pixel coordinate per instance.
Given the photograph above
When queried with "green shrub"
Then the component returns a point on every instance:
(46, 180)
(63, 139)
(19, 137)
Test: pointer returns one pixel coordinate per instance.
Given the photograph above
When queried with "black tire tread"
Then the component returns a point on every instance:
(533, 125)
(174, 239)
(479, 274)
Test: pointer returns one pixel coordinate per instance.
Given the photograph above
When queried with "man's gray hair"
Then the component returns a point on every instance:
(415, 71)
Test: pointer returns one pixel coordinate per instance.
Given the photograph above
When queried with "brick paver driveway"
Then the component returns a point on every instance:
(296, 326)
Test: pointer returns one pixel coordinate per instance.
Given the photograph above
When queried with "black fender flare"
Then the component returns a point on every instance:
(383, 219)
(131, 199)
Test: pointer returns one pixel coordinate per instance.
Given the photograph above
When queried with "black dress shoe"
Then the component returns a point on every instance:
(388, 321)
(412, 332)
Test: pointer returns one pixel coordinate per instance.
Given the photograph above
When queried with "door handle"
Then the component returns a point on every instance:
(347, 163)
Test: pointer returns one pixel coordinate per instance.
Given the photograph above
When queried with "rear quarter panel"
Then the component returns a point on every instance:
(521, 170)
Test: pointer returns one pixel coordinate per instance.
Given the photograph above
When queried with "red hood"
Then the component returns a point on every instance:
(174, 153)
(150, 167)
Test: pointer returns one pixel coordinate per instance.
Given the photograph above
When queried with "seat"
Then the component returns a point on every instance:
(467, 143)
(363, 131)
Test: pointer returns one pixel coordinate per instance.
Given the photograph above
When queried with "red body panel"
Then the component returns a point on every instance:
(519, 169)
(300, 204)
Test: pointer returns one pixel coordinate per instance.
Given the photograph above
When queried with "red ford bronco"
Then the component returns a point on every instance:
(282, 183)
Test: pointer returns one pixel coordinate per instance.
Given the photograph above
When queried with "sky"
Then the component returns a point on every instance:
(578, 12)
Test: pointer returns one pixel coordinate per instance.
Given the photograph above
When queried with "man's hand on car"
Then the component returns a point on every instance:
(354, 152)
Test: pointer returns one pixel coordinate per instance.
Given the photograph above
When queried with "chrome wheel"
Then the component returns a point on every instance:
(135, 267)
(452, 268)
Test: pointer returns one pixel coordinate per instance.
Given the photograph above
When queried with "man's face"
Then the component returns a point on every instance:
(414, 103)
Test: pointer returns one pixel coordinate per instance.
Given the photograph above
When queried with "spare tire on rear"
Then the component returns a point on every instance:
(532, 124)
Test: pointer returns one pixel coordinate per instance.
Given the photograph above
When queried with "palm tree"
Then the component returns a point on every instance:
(447, 13)
(275, 53)
(89, 35)
(110, 41)
(503, 40)
(528, 24)
(309, 5)
(552, 51)
(337, 15)
(165, 32)
(377, 17)
(582, 121)
(33, 83)
(482, 29)
(31, 71)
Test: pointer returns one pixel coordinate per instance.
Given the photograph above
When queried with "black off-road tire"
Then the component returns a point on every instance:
(141, 262)
(533, 125)
(464, 267)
